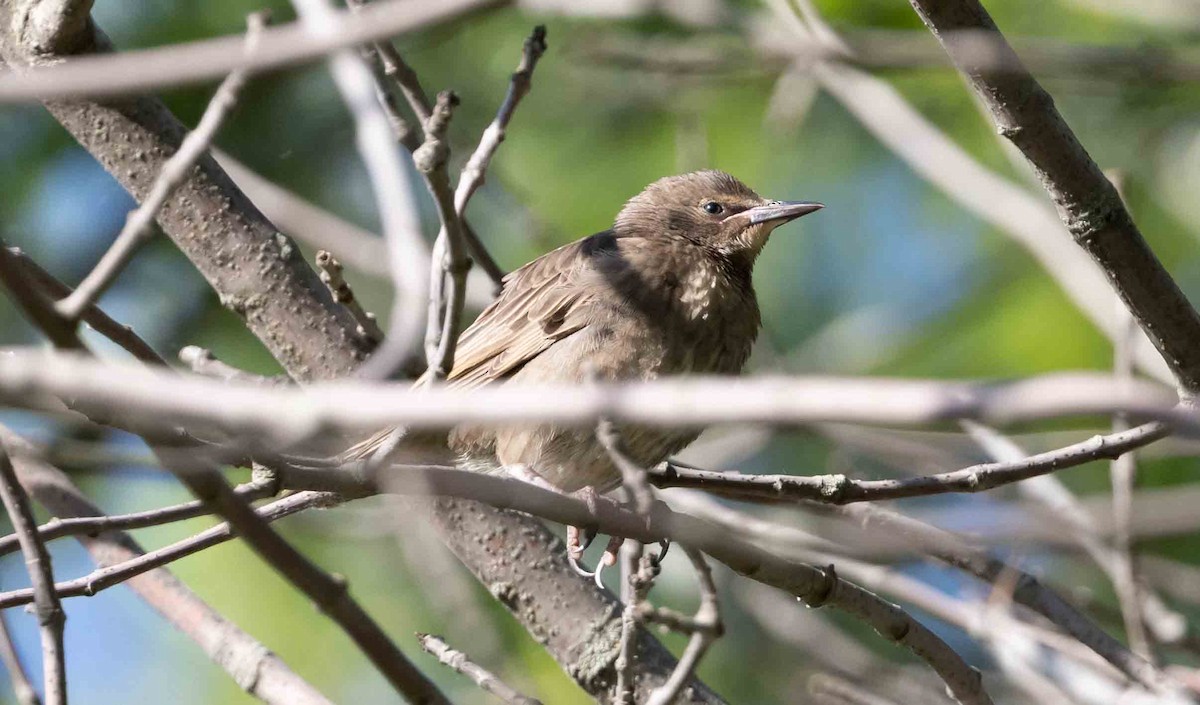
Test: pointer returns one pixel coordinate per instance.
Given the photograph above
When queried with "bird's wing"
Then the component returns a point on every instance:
(542, 303)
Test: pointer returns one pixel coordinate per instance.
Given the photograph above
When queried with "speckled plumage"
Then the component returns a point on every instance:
(666, 291)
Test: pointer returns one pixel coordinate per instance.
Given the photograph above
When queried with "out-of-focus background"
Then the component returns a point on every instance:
(892, 278)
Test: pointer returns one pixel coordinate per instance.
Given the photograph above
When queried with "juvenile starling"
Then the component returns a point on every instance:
(666, 291)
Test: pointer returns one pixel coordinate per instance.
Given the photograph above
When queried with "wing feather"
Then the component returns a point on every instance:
(542, 303)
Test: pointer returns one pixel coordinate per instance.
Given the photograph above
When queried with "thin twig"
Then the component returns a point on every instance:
(392, 70)
(138, 225)
(633, 476)
(840, 489)
(331, 594)
(373, 54)
(109, 576)
(51, 617)
(473, 173)
(331, 275)
(397, 71)
(449, 264)
(203, 362)
(705, 628)
(91, 526)
(640, 583)
(248, 662)
(1123, 473)
(394, 197)
(94, 316)
(22, 688)
(483, 678)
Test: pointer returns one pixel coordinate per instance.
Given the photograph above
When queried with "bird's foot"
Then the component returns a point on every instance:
(579, 539)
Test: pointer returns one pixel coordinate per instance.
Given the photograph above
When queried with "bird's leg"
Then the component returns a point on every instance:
(578, 539)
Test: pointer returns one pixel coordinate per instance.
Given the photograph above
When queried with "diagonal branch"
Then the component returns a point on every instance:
(331, 594)
(255, 669)
(473, 173)
(1087, 202)
(138, 228)
(398, 212)
(459, 661)
(22, 688)
(94, 316)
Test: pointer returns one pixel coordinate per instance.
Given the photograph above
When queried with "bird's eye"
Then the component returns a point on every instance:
(713, 208)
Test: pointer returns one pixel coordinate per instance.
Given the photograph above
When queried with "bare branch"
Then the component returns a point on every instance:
(255, 669)
(22, 688)
(51, 617)
(816, 586)
(449, 264)
(633, 476)
(398, 211)
(472, 175)
(263, 417)
(478, 675)
(135, 565)
(705, 627)
(359, 248)
(1087, 203)
(142, 71)
(1026, 589)
(331, 594)
(331, 275)
(839, 489)
(91, 526)
(139, 224)
(640, 581)
(94, 316)
(203, 362)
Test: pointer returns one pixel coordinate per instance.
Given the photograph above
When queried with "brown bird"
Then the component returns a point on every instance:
(666, 291)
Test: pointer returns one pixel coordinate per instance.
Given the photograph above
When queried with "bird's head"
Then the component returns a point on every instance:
(711, 209)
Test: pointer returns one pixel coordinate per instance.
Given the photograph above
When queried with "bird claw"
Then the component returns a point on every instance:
(575, 549)
(663, 547)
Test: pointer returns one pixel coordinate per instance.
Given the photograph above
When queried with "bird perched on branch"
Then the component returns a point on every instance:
(666, 291)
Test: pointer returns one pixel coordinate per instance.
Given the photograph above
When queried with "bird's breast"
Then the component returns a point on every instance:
(712, 320)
